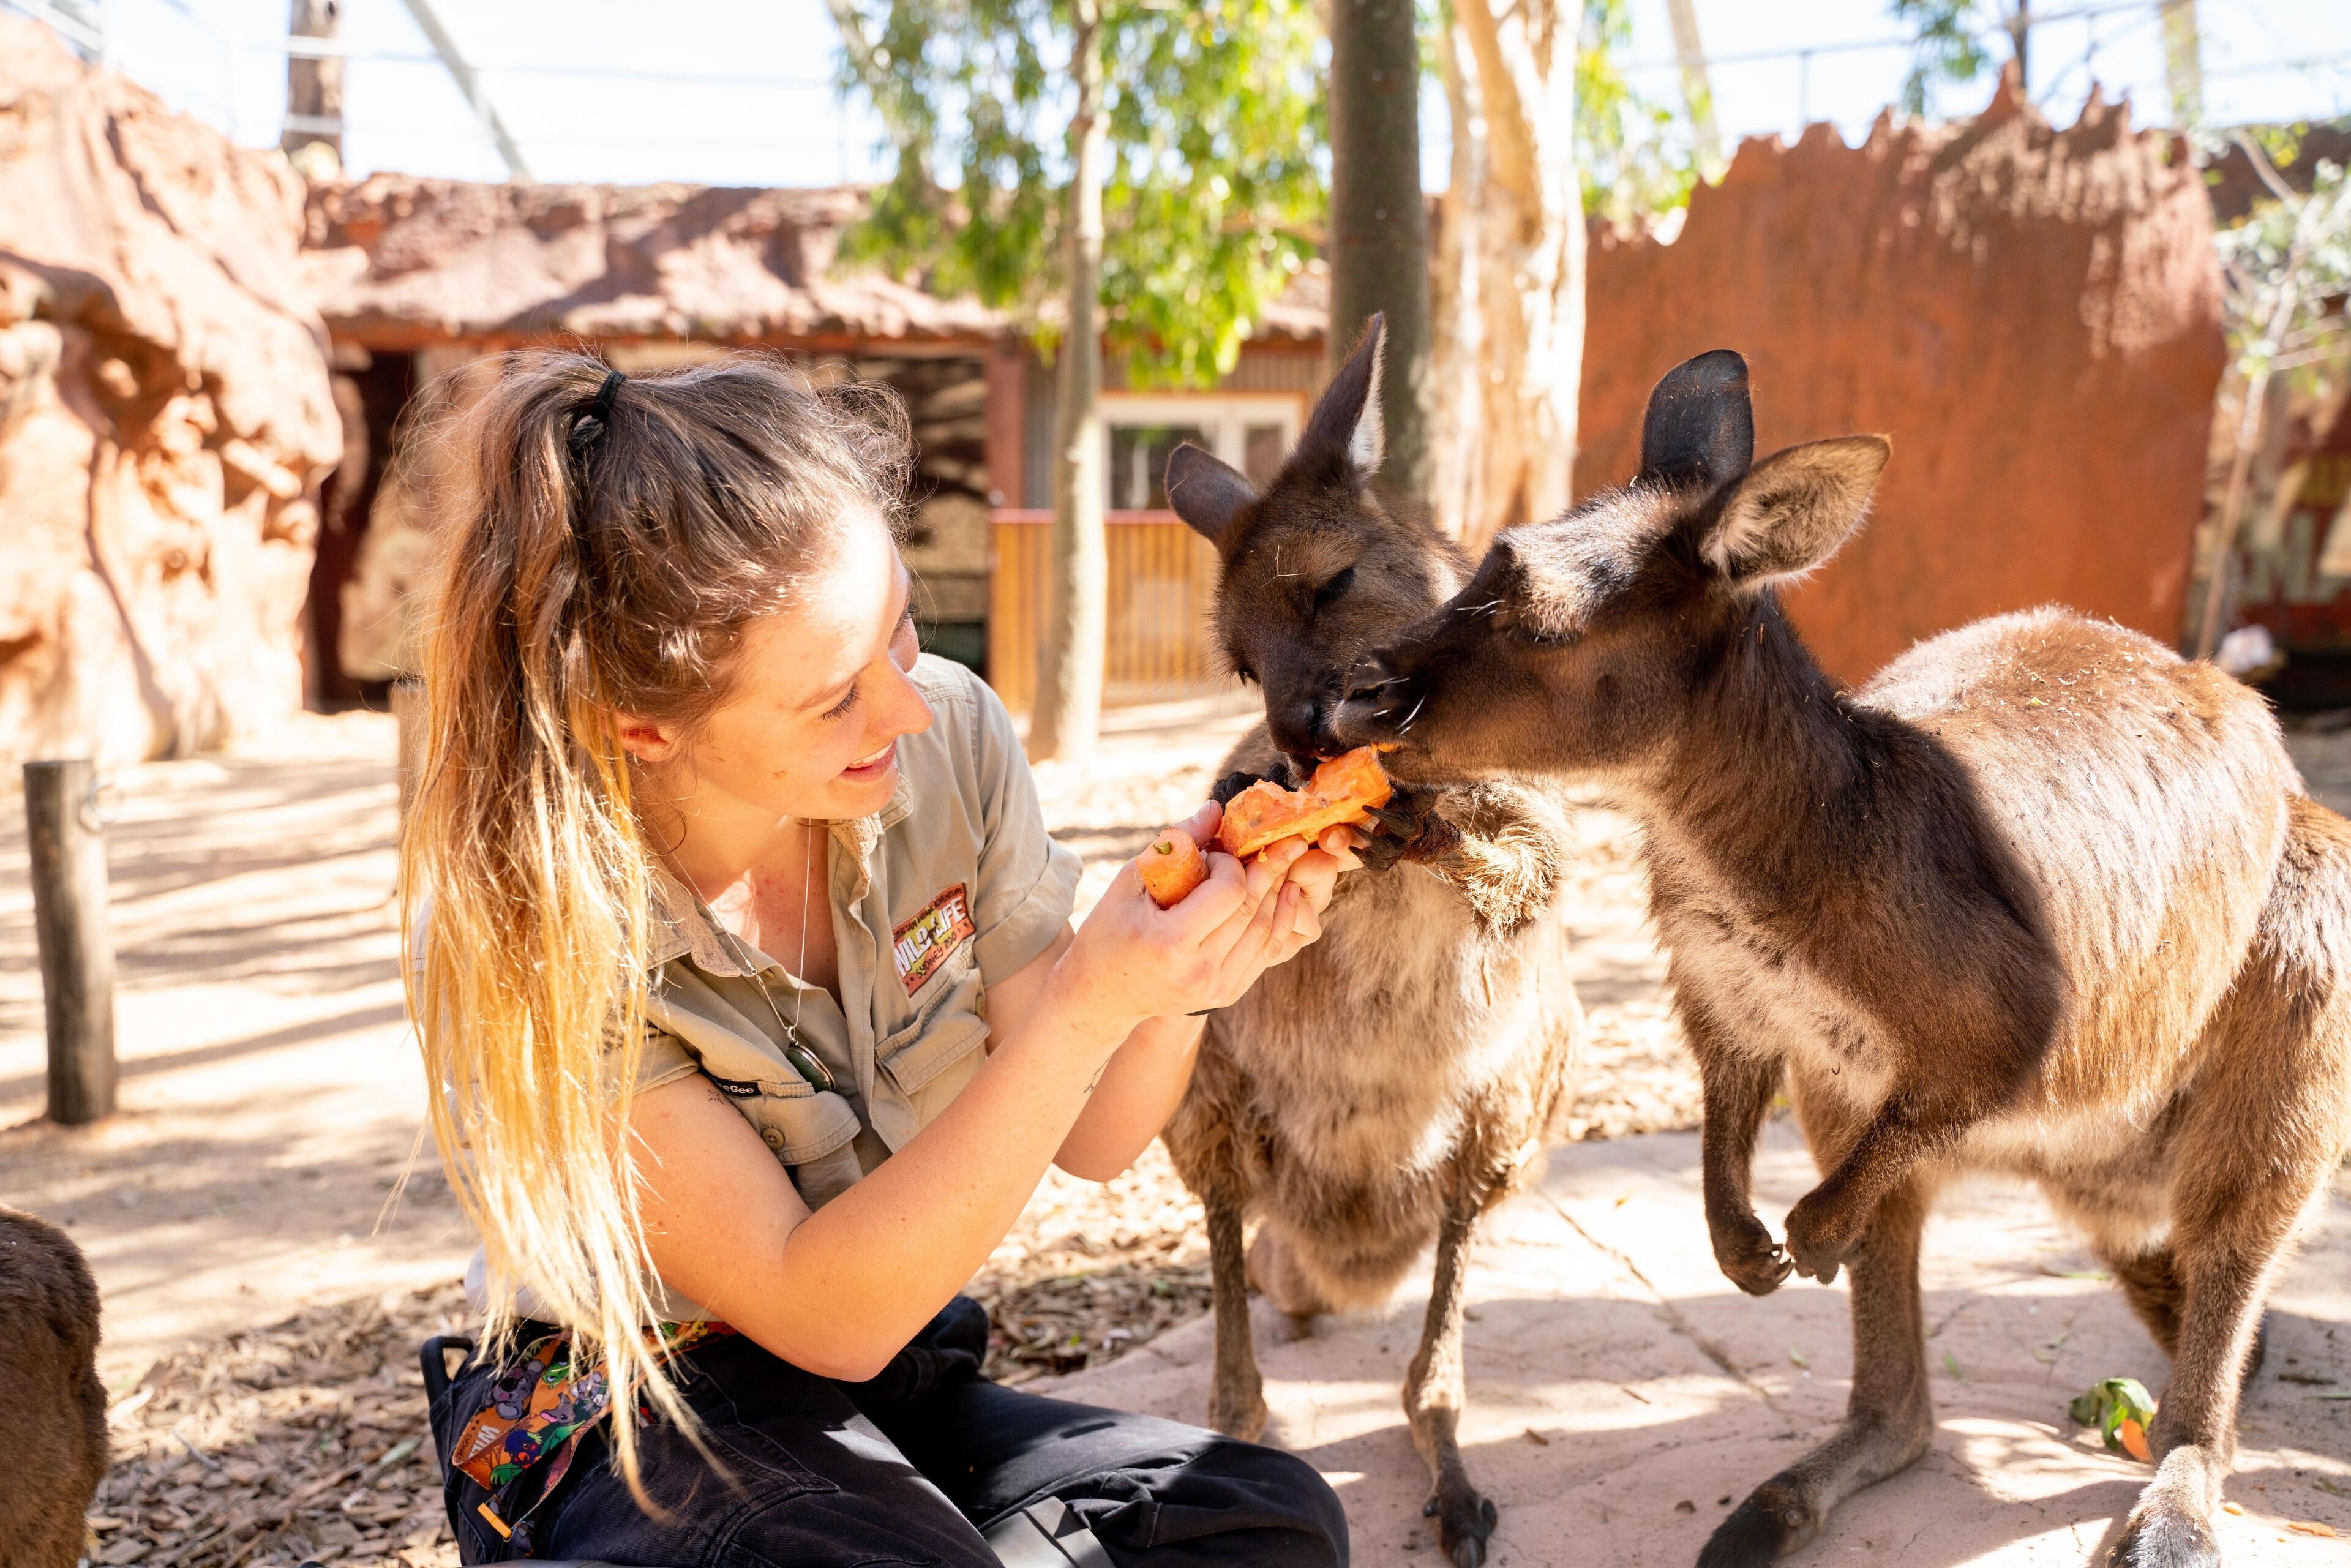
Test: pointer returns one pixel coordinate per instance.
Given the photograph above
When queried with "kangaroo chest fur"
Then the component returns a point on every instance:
(1351, 1084)
(1366, 1054)
(2129, 817)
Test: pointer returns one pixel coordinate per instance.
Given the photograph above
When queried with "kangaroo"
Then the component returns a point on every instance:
(1397, 1079)
(53, 1421)
(2041, 898)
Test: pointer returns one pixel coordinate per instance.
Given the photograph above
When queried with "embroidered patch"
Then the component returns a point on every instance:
(932, 936)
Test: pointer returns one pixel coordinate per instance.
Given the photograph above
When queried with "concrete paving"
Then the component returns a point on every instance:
(1623, 1395)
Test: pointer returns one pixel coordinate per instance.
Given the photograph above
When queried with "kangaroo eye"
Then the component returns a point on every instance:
(1337, 586)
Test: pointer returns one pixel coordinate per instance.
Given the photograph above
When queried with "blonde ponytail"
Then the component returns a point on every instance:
(579, 579)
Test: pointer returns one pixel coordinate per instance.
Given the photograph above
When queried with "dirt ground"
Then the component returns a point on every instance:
(266, 1294)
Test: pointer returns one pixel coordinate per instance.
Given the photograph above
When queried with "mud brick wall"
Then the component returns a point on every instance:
(2032, 314)
(164, 417)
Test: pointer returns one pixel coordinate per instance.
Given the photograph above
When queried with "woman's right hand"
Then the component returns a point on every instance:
(1132, 960)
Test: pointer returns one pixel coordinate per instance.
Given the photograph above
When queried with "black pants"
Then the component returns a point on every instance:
(908, 1469)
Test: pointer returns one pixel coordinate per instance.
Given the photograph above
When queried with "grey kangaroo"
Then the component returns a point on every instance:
(53, 1415)
(2040, 898)
(1394, 1082)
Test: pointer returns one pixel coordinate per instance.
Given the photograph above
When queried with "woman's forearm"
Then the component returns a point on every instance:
(1138, 1092)
(873, 1266)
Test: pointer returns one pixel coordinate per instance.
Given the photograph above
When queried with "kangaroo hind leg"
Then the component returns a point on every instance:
(1236, 1395)
(1435, 1388)
(1888, 1419)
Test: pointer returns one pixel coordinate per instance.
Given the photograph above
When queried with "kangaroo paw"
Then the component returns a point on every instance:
(1464, 1520)
(1771, 1522)
(1821, 1236)
(1749, 1258)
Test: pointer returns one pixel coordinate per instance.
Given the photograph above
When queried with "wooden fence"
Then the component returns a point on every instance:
(1163, 579)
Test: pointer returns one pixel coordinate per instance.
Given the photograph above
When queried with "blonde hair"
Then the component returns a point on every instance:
(586, 571)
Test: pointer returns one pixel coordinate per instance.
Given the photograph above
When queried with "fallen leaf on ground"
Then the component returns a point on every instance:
(2120, 1408)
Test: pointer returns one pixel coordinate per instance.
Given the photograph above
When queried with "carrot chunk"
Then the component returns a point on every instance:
(1339, 795)
(1171, 867)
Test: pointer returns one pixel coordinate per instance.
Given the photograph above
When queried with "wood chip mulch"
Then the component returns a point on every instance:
(303, 1441)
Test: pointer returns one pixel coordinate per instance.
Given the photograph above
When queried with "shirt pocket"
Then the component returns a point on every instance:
(799, 1122)
(919, 1069)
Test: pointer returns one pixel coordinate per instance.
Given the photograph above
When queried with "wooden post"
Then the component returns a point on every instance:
(68, 856)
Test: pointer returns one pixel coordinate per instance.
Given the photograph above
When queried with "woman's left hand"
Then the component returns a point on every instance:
(1299, 879)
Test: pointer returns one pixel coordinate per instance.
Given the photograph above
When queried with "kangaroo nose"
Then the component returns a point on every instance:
(1365, 684)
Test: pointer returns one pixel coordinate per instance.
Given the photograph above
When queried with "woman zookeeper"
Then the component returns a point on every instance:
(743, 958)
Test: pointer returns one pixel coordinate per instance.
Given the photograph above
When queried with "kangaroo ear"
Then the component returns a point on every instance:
(1207, 491)
(1700, 425)
(1795, 507)
(1346, 418)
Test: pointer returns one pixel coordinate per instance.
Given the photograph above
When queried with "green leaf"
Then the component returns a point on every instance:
(1215, 195)
(2107, 1403)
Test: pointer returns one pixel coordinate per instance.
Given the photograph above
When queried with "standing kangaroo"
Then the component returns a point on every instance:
(52, 1407)
(1400, 1077)
(2041, 898)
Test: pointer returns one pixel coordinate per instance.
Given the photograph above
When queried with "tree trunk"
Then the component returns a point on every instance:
(1511, 267)
(2183, 62)
(1697, 93)
(1068, 716)
(1379, 227)
(314, 92)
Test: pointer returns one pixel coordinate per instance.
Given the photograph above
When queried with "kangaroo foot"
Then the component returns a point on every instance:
(1774, 1521)
(1748, 1256)
(1237, 1412)
(1787, 1510)
(1464, 1520)
(2164, 1532)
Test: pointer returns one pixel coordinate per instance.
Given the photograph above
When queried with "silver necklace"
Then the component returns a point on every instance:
(806, 1063)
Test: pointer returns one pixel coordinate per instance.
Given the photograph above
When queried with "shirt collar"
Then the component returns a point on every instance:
(683, 928)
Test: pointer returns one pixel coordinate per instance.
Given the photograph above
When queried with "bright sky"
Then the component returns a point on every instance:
(741, 91)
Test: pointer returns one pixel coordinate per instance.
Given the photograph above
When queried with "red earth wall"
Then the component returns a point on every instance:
(2032, 314)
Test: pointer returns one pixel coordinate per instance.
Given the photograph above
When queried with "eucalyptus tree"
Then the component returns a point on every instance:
(1138, 176)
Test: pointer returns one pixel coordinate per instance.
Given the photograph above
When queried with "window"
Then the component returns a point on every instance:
(1251, 431)
(1138, 463)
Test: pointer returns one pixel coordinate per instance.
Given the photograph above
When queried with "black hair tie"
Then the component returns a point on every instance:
(590, 426)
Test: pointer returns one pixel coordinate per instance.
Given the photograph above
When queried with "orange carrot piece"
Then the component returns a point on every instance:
(1171, 867)
(1337, 796)
(2134, 1436)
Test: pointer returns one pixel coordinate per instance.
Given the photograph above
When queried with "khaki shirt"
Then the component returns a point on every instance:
(954, 885)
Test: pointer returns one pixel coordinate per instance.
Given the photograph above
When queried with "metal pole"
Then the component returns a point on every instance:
(68, 856)
(469, 82)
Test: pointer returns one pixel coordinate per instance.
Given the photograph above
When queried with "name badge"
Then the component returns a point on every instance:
(928, 940)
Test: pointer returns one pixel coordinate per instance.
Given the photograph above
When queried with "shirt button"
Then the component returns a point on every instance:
(772, 1138)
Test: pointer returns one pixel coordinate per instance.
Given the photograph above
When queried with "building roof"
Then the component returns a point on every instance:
(399, 261)
(396, 260)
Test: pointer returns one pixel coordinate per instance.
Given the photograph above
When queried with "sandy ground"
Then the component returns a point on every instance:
(1623, 1396)
(237, 1210)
